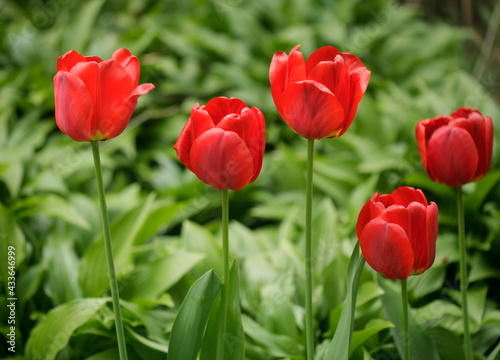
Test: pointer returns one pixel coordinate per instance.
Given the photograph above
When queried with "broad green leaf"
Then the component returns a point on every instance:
(276, 345)
(196, 238)
(50, 205)
(189, 325)
(422, 346)
(147, 345)
(60, 257)
(150, 280)
(53, 333)
(93, 276)
(234, 342)
(373, 327)
(430, 281)
(450, 346)
(341, 342)
(494, 354)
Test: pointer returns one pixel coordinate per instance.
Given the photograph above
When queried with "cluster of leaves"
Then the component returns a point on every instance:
(165, 222)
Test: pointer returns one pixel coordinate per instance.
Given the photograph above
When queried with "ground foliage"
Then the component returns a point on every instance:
(165, 222)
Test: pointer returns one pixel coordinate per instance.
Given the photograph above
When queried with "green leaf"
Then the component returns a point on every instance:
(10, 236)
(234, 342)
(276, 345)
(77, 34)
(149, 281)
(422, 346)
(93, 276)
(191, 320)
(341, 342)
(450, 346)
(53, 333)
(373, 327)
(494, 353)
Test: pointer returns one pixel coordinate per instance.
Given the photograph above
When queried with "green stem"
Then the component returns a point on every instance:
(463, 272)
(225, 278)
(120, 335)
(404, 297)
(308, 251)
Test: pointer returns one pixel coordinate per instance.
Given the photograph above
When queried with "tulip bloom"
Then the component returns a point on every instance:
(318, 99)
(223, 143)
(456, 149)
(397, 233)
(95, 99)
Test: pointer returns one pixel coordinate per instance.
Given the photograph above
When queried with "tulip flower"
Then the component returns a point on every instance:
(223, 143)
(456, 149)
(318, 98)
(397, 233)
(95, 99)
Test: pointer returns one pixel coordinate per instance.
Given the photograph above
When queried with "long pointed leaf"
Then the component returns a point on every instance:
(191, 320)
(341, 342)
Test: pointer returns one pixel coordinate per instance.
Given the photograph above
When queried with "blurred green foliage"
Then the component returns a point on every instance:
(166, 222)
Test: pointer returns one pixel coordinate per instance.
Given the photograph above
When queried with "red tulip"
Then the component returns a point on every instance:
(95, 99)
(456, 149)
(318, 99)
(223, 143)
(397, 233)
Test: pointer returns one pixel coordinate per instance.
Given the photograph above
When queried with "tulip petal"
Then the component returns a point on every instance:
(432, 232)
(404, 195)
(417, 234)
(73, 105)
(68, 60)
(369, 211)
(219, 107)
(183, 145)
(251, 128)
(129, 63)
(349, 87)
(222, 160)
(452, 156)
(386, 249)
(325, 53)
(200, 121)
(479, 129)
(312, 110)
(396, 214)
(285, 70)
(422, 144)
(122, 116)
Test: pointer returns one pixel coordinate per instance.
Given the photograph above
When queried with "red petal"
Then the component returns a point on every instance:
(251, 129)
(348, 87)
(432, 232)
(122, 116)
(183, 145)
(73, 106)
(312, 110)
(478, 128)
(68, 60)
(220, 106)
(325, 53)
(396, 214)
(417, 233)
(283, 71)
(387, 249)
(222, 160)
(200, 122)
(404, 195)
(129, 63)
(369, 211)
(452, 156)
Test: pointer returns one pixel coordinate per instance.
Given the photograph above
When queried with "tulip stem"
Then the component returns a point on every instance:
(404, 297)
(225, 278)
(308, 251)
(463, 272)
(120, 335)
